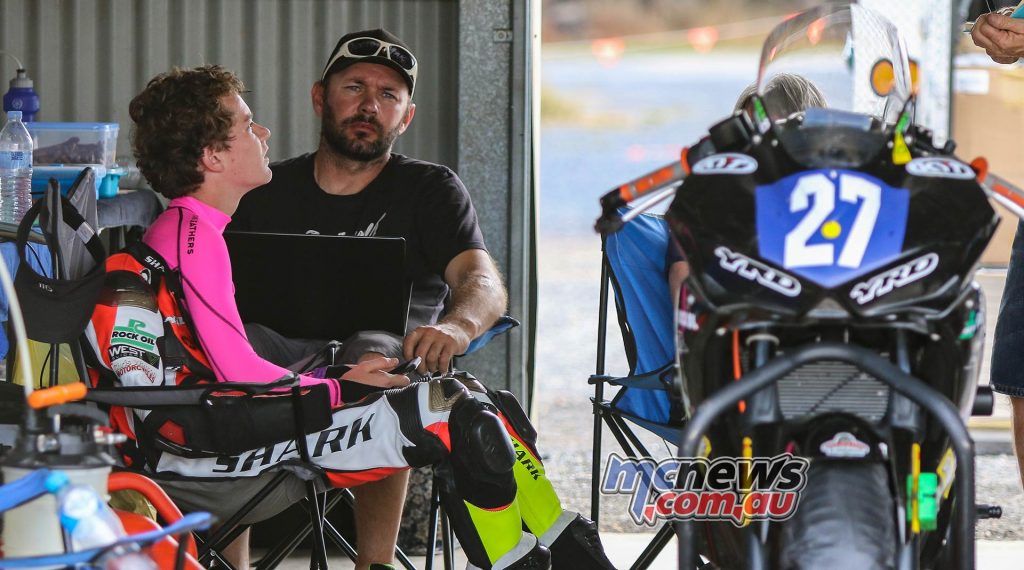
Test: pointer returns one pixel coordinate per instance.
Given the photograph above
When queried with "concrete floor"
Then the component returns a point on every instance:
(623, 548)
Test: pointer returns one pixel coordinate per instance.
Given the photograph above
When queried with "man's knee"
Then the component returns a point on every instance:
(367, 342)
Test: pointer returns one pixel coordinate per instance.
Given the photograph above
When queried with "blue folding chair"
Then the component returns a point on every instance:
(634, 269)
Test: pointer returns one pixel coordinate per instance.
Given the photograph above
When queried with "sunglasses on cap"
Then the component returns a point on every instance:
(372, 47)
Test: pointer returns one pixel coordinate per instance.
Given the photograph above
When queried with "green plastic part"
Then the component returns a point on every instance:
(970, 327)
(927, 500)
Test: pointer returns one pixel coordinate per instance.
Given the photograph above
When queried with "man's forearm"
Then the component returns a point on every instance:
(476, 304)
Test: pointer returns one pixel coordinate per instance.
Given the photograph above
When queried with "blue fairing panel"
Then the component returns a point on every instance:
(829, 226)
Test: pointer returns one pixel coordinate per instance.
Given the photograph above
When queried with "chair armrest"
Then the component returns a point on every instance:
(504, 324)
(653, 380)
(147, 398)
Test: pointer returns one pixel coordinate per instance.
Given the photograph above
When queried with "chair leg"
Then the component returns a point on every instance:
(230, 529)
(595, 465)
(336, 537)
(435, 506)
(631, 435)
(285, 547)
(654, 547)
(318, 558)
(403, 559)
(447, 542)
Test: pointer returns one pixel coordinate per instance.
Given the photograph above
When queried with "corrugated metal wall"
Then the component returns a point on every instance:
(89, 57)
(474, 99)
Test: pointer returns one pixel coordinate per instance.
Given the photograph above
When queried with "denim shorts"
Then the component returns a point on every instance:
(1007, 376)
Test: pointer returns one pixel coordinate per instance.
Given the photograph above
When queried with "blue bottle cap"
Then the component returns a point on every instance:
(56, 481)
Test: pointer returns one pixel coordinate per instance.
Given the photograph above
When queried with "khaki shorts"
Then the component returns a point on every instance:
(223, 499)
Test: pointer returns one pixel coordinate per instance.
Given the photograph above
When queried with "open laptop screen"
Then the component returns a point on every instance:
(320, 287)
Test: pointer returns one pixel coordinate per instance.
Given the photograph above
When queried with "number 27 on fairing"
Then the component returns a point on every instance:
(817, 195)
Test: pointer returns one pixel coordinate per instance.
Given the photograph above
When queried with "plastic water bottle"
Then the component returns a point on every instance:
(91, 523)
(15, 169)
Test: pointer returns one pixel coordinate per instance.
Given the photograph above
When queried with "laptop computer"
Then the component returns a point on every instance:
(322, 287)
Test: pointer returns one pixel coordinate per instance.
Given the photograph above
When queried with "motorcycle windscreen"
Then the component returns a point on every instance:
(852, 57)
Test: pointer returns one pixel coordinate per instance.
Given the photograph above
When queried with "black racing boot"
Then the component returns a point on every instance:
(575, 544)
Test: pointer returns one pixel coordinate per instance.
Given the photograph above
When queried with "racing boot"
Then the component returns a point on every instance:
(529, 554)
(575, 543)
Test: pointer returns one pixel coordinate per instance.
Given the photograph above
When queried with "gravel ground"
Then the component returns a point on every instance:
(569, 271)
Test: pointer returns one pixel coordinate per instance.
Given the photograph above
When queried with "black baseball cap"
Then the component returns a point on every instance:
(373, 46)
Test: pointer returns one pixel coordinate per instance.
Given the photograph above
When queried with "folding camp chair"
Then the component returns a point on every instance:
(52, 327)
(633, 268)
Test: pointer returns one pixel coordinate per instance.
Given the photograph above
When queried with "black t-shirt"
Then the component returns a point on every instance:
(424, 203)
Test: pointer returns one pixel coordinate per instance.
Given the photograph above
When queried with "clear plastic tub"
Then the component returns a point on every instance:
(74, 143)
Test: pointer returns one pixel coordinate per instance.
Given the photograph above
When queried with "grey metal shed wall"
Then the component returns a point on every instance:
(89, 57)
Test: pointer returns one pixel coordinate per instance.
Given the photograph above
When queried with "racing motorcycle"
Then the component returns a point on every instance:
(830, 311)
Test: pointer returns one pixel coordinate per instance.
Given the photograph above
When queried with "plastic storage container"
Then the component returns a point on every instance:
(74, 143)
(67, 175)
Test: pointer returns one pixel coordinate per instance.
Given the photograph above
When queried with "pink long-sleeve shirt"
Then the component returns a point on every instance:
(189, 235)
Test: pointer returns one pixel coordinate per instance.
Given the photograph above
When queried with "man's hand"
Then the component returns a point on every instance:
(478, 298)
(1001, 36)
(436, 345)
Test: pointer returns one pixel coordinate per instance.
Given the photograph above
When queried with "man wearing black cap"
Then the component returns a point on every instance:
(355, 185)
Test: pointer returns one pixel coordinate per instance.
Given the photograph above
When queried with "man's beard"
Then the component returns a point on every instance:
(355, 148)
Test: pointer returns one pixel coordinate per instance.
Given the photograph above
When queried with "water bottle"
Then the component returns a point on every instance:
(21, 97)
(91, 523)
(15, 169)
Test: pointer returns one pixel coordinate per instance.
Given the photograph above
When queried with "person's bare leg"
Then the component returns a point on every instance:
(237, 553)
(1017, 403)
(378, 514)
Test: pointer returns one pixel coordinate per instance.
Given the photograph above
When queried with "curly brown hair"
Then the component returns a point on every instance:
(176, 116)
